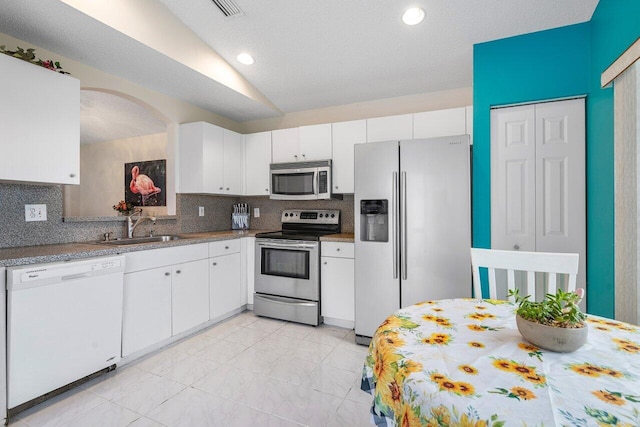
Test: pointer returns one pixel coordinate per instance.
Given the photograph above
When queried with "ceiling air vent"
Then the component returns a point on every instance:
(229, 8)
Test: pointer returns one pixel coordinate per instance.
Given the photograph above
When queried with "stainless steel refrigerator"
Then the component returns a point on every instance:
(412, 226)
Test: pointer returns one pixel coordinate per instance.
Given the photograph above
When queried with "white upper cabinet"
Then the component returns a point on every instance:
(210, 159)
(390, 128)
(200, 157)
(432, 124)
(315, 142)
(232, 162)
(40, 125)
(213, 160)
(285, 144)
(256, 163)
(301, 144)
(345, 136)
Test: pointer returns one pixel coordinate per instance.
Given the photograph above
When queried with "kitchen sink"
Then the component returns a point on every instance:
(138, 240)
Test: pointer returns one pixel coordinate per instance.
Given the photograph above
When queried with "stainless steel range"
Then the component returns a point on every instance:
(287, 276)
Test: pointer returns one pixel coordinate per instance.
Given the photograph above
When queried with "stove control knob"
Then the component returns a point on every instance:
(320, 215)
(333, 215)
(286, 214)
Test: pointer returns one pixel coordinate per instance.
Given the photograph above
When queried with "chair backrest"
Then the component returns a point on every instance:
(552, 264)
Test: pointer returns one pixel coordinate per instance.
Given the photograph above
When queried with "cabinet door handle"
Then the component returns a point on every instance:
(325, 263)
(338, 249)
(72, 175)
(167, 274)
(226, 247)
(266, 189)
(178, 271)
(227, 188)
(295, 156)
(215, 263)
(516, 247)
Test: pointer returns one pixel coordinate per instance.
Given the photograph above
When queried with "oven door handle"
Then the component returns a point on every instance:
(288, 245)
(278, 301)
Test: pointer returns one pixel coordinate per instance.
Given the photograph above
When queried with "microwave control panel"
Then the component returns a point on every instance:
(322, 182)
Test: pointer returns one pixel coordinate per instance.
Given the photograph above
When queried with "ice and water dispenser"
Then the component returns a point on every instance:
(374, 220)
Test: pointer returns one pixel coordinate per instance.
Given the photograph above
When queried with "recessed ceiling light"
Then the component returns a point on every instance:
(246, 59)
(413, 16)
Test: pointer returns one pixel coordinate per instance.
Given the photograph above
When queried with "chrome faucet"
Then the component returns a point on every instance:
(132, 225)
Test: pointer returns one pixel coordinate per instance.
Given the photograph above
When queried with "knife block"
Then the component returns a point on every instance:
(240, 221)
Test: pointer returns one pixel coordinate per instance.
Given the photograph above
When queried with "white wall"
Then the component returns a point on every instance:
(417, 103)
(104, 186)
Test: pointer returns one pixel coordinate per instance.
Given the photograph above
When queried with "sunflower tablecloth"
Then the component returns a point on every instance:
(462, 362)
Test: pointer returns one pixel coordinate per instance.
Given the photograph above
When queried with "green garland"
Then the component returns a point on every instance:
(29, 56)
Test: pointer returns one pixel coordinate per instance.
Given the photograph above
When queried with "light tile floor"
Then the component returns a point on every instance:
(246, 371)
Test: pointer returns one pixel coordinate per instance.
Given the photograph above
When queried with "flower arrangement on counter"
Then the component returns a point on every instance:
(123, 207)
(29, 56)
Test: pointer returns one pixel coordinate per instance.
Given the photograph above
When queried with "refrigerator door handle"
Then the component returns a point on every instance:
(403, 223)
(394, 226)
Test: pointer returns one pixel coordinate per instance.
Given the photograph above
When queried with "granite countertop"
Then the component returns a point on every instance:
(340, 237)
(68, 251)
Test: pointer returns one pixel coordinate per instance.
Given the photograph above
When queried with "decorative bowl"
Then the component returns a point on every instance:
(561, 340)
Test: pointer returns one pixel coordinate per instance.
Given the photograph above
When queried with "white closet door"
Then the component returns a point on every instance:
(513, 194)
(560, 181)
(538, 200)
(560, 176)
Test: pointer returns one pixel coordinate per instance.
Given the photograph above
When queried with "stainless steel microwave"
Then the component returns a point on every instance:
(302, 181)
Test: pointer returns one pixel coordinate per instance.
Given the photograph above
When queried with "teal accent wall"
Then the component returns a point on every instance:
(550, 64)
(615, 25)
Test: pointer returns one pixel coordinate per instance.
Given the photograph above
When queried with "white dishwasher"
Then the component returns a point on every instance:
(64, 322)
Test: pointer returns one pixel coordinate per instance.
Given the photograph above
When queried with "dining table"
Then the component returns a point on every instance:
(463, 362)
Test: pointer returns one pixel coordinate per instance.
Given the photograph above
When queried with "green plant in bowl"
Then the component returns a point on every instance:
(559, 310)
(555, 323)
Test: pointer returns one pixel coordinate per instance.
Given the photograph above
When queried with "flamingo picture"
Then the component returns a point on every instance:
(142, 184)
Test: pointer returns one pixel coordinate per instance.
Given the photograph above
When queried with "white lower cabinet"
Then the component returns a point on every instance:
(225, 278)
(146, 317)
(189, 295)
(165, 293)
(338, 284)
(250, 259)
(224, 285)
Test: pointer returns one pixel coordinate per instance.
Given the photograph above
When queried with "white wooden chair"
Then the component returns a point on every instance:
(553, 264)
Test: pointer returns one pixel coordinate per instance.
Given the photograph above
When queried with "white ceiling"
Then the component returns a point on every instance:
(309, 54)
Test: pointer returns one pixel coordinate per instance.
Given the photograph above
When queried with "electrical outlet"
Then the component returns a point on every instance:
(256, 212)
(35, 213)
(201, 211)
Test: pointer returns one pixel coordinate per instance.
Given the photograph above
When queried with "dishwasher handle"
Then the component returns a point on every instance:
(75, 276)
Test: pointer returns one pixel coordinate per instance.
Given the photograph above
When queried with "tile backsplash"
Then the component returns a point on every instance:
(271, 210)
(14, 231)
